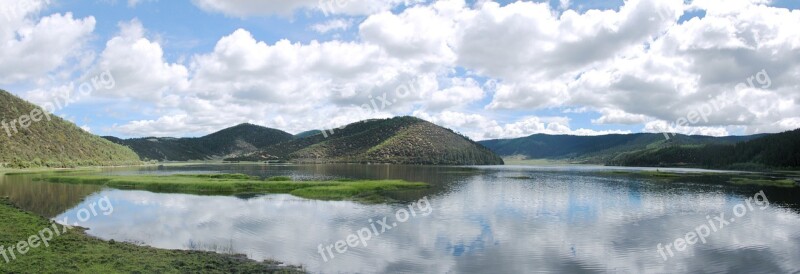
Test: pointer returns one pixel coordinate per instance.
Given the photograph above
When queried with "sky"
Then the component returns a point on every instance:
(487, 69)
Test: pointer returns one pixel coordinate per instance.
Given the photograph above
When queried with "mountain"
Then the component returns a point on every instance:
(401, 140)
(598, 149)
(781, 150)
(230, 142)
(31, 138)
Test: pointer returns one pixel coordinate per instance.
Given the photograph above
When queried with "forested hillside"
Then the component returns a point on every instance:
(780, 150)
(230, 142)
(402, 140)
(51, 141)
(597, 149)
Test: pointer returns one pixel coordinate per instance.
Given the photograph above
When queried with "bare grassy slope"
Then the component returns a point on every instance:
(51, 141)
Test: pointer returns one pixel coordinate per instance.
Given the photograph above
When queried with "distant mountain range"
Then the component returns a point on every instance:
(402, 140)
(31, 138)
(761, 151)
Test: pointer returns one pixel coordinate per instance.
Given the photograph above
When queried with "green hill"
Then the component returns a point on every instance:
(402, 140)
(231, 142)
(780, 150)
(51, 141)
(597, 149)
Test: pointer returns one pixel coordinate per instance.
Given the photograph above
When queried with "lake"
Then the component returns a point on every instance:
(499, 219)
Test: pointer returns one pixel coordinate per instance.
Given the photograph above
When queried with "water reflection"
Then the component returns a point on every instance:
(483, 222)
(45, 199)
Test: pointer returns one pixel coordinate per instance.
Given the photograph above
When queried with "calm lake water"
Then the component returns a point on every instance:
(509, 219)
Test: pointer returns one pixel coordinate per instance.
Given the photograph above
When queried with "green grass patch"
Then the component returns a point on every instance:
(763, 182)
(709, 177)
(659, 174)
(231, 184)
(47, 170)
(76, 252)
(235, 176)
(279, 179)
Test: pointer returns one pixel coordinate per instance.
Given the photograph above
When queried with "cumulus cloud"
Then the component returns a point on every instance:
(420, 33)
(457, 64)
(31, 46)
(138, 67)
(479, 127)
(292, 86)
(635, 65)
(675, 70)
(333, 25)
(616, 116)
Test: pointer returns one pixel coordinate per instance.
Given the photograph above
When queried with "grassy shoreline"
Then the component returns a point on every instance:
(77, 252)
(14, 171)
(752, 179)
(232, 184)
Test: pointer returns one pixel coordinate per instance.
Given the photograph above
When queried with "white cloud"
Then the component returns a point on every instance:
(638, 63)
(333, 25)
(298, 86)
(664, 127)
(538, 44)
(615, 116)
(479, 127)
(718, 57)
(460, 93)
(138, 67)
(31, 46)
(465, 64)
(421, 33)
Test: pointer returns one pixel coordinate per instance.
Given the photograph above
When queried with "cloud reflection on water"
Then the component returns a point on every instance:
(555, 222)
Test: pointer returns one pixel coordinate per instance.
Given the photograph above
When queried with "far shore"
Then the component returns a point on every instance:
(509, 161)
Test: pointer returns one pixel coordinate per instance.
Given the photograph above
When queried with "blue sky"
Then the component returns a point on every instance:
(489, 70)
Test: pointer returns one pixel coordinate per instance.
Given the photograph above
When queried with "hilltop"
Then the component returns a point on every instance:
(401, 140)
(50, 141)
(230, 142)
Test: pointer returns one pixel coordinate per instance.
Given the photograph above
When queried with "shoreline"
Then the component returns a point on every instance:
(74, 251)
